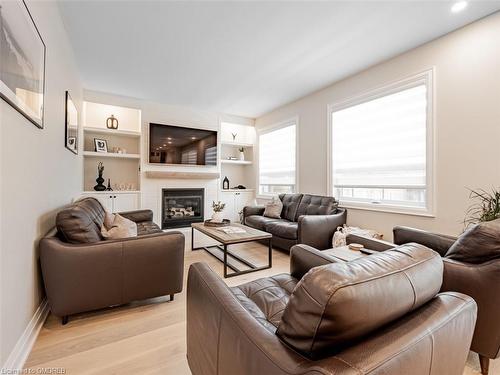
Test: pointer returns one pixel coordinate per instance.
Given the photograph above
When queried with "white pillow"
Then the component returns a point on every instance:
(273, 208)
(121, 228)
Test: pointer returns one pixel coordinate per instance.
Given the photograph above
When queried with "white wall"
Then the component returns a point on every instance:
(173, 115)
(467, 126)
(38, 176)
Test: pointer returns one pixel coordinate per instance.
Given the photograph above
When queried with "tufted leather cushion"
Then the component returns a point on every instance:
(265, 299)
(290, 205)
(259, 222)
(283, 229)
(334, 305)
(147, 227)
(81, 222)
(316, 205)
(478, 244)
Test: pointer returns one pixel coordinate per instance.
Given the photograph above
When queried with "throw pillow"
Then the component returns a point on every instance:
(108, 220)
(478, 244)
(121, 228)
(273, 208)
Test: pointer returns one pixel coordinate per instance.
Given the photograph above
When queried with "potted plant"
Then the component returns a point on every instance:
(242, 153)
(218, 207)
(485, 208)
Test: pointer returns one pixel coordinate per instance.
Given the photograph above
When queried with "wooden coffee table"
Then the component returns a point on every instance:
(225, 239)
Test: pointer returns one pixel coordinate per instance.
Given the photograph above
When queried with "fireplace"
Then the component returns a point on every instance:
(181, 207)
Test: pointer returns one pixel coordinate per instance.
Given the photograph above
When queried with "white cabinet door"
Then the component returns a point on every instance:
(125, 202)
(242, 199)
(228, 198)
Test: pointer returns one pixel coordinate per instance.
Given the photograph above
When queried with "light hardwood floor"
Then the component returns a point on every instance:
(148, 337)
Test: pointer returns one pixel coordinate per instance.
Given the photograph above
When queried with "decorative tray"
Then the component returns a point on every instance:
(210, 223)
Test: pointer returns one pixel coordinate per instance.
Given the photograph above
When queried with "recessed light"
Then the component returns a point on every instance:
(193, 138)
(169, 138)
(169, 142)
(164, 144)
(459, 6)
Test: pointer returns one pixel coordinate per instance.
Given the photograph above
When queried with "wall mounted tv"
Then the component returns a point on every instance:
(170, 144)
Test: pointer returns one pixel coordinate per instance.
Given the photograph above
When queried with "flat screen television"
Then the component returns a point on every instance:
(170, 144)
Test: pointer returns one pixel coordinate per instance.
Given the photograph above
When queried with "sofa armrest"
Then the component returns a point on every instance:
(304, 257)
(370, 243)
(481, 282)
(253, 210)
(138, 216)
(317, 230)
(83, 277)
(437, 242)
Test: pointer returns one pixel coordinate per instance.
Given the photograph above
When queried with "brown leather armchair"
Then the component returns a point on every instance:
(375, 315)
(476, 274)
(83, 272)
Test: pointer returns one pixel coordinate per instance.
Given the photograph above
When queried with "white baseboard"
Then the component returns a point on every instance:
(21, 351)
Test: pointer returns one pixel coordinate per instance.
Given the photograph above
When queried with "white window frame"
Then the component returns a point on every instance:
(268, 129)
(425, 77)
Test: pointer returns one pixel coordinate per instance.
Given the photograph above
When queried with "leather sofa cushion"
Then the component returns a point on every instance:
(259, 222)
(81, 222)
(478, 244)
(290, 205)
(283, 228)
(334, 305)
(316, 205)
(265, 299)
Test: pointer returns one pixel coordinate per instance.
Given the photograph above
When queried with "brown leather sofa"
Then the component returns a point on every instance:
(476, 273)
(380, 314)
(83, 272)
(305, 218)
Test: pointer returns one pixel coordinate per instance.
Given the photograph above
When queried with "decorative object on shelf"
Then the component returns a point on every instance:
(218, 207)
(485, 208)
(99, 179)
(211, 223)
(101, 145)
(232, 158)
(109, 186)
(241, 187)
(119, 150)
(242, 153)
(22, 61)
(112, 122)
(71, 125)
(225, 183)
(234, 136)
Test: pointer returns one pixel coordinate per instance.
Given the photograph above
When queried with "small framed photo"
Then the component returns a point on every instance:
(101, 145)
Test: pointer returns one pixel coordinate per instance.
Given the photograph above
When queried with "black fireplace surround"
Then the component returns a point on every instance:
(181, 207)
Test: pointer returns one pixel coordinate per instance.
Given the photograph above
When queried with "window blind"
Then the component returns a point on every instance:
(379, 149)
(277, 160)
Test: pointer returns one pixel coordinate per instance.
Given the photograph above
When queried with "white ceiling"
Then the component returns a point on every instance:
(245, 58)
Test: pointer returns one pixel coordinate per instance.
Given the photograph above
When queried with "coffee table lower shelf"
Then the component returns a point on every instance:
(225, 256)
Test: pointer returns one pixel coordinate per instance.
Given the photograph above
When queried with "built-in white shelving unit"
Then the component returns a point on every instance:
(236, 162)
(121, 162)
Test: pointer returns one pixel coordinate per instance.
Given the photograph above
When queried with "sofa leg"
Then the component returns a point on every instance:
(64, 320)
(484, 362)
(171, 297)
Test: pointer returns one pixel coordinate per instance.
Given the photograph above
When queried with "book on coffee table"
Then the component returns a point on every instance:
(232, 230)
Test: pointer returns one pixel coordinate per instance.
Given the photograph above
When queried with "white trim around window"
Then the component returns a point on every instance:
(424, 78)
(270, 128)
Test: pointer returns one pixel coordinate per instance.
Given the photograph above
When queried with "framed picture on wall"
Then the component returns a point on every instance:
(71, 126)
(22, 61)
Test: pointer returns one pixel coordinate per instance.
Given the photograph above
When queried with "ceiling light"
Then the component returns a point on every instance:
(193, 138)
(459, 6)
(164, 144)
(169, 138)
(169, 142)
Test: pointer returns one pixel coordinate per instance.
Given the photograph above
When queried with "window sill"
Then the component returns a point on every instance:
(388, 209)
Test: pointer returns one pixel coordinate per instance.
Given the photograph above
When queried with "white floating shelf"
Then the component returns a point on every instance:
(110, 155)
(236, 144)
(112, 192)
(240, 162)
(125, 133)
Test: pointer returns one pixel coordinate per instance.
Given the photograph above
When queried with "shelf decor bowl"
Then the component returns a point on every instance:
(210, 223)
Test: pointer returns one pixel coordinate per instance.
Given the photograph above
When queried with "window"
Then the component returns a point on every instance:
(277, 150)
(381, 146)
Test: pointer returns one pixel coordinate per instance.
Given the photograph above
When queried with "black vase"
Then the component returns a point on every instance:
(99, 186)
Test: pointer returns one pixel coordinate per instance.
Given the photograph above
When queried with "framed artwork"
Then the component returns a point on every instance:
(71, 126)
(101, 145)
(22, 61)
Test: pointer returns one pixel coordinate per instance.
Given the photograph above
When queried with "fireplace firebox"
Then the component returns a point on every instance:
(181, 207)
